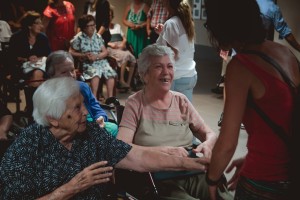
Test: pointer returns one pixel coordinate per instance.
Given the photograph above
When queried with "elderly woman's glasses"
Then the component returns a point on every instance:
(90, 25)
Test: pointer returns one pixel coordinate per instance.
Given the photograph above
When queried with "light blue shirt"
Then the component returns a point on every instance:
(271, 15)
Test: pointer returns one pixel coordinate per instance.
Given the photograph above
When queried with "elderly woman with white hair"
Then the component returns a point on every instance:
(165, 121)
(61, 64)
(61, 156)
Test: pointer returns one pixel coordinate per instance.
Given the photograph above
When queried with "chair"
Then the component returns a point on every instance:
(142, 184)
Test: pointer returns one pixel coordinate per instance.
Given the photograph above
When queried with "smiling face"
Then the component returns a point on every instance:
(160, 74)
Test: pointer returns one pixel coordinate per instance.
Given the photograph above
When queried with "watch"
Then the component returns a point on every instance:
(211, 182)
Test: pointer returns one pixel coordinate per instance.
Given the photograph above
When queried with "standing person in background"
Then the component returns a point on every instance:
(157, 14)
(102, 19)
(178, 32)
(90, 7)
(117, 49)
(12, 12)
(59, 23)
(135, 18)
(263, 173)
(273, 19)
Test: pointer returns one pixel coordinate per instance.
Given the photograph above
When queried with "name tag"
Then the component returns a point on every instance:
(176, 123)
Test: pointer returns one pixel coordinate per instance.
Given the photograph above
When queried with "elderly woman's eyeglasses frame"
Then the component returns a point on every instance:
(90, 25)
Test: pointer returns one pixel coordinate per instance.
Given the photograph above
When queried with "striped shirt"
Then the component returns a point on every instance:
(157, 127)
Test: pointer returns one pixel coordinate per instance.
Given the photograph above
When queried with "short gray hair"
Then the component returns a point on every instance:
(54, 59)
(49, 100)
(145, 58)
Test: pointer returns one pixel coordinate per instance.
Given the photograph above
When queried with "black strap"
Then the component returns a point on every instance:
(276, 128)
(274, 64)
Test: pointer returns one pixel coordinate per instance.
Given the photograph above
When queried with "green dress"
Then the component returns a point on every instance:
(137, 38)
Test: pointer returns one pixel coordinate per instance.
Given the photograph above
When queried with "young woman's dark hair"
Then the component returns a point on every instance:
(242, 24)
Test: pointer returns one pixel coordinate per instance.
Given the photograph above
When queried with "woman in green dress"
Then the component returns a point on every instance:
(135, 18)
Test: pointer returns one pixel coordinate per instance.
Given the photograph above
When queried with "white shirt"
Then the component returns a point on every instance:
(174, 34)
(5, 32)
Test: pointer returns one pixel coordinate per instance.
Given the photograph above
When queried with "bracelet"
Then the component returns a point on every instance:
(211, 182)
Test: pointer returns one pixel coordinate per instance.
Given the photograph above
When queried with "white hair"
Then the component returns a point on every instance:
(49, 100)
(54, 59)
(154, 50)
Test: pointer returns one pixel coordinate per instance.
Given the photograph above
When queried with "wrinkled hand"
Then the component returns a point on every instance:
(92, 175)
(91, 57)
(198, 164)
(178, 151)
(238, 163)
(101, 122)
(204, 149)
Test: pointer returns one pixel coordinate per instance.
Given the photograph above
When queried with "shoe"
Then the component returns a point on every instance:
(123, 86)
(217, 90)
(220, 120)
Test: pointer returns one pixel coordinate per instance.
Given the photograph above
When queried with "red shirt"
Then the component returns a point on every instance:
(61, 28)
(268, 156)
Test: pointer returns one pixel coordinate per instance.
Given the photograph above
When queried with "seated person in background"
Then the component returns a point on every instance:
(5, 34)
(28, 48)
(62, 156)
(5, 31)
(88, 46)
(30, 45)
(61, 63)
(166, 121)
(117, 49)
(6, 120)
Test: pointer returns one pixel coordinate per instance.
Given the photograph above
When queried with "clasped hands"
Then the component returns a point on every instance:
(89, 56)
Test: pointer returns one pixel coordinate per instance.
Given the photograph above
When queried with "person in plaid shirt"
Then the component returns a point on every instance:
(157, 14)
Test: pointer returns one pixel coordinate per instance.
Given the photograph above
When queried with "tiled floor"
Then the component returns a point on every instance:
(207, 104)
